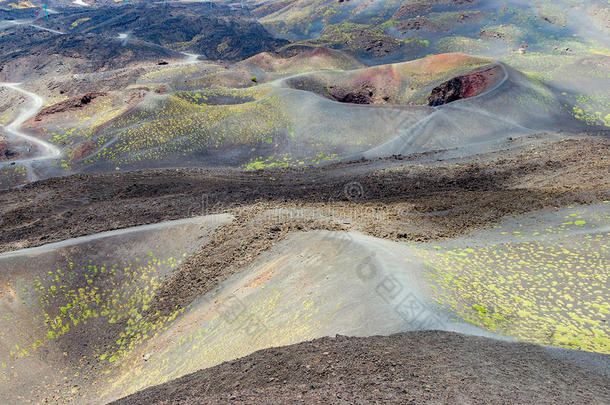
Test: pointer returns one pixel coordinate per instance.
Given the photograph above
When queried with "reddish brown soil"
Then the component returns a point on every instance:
(161, 90)
(6, 153)
(83, 151)
(429, 367)
(70, 104)
(359, 95)
(466, 86)
(371, 86)
(297, 56)
(385, 84)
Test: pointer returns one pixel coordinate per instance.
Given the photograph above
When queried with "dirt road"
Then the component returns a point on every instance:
(48, 150)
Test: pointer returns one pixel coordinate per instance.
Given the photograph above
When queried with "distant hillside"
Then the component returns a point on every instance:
(211, 30)
(25, 50)
(155, 32)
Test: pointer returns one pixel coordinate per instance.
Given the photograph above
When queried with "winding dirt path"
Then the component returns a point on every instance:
(219, 218)
(30, 23)
(49, 151)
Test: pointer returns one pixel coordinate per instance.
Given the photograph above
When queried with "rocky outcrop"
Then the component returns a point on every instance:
(361, 95)
(69, 104)
(465, 86)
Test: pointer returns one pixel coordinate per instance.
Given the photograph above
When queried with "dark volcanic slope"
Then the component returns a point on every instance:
(417, 367)
(9, 13)
(90, 38)
(67, 207)
(25, 50)
(211, 30)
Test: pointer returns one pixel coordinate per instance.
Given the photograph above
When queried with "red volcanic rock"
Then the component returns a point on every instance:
(296, 56)
(466, 86)
(370, 86)
(5, 152)
(70, 104)
(361, 95)
(83, 151)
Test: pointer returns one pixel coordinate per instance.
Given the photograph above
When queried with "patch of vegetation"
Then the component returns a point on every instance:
(176, 125)
(76, 23)
(68, 298)
(537, 291)
(286, 160)
(593, 109)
